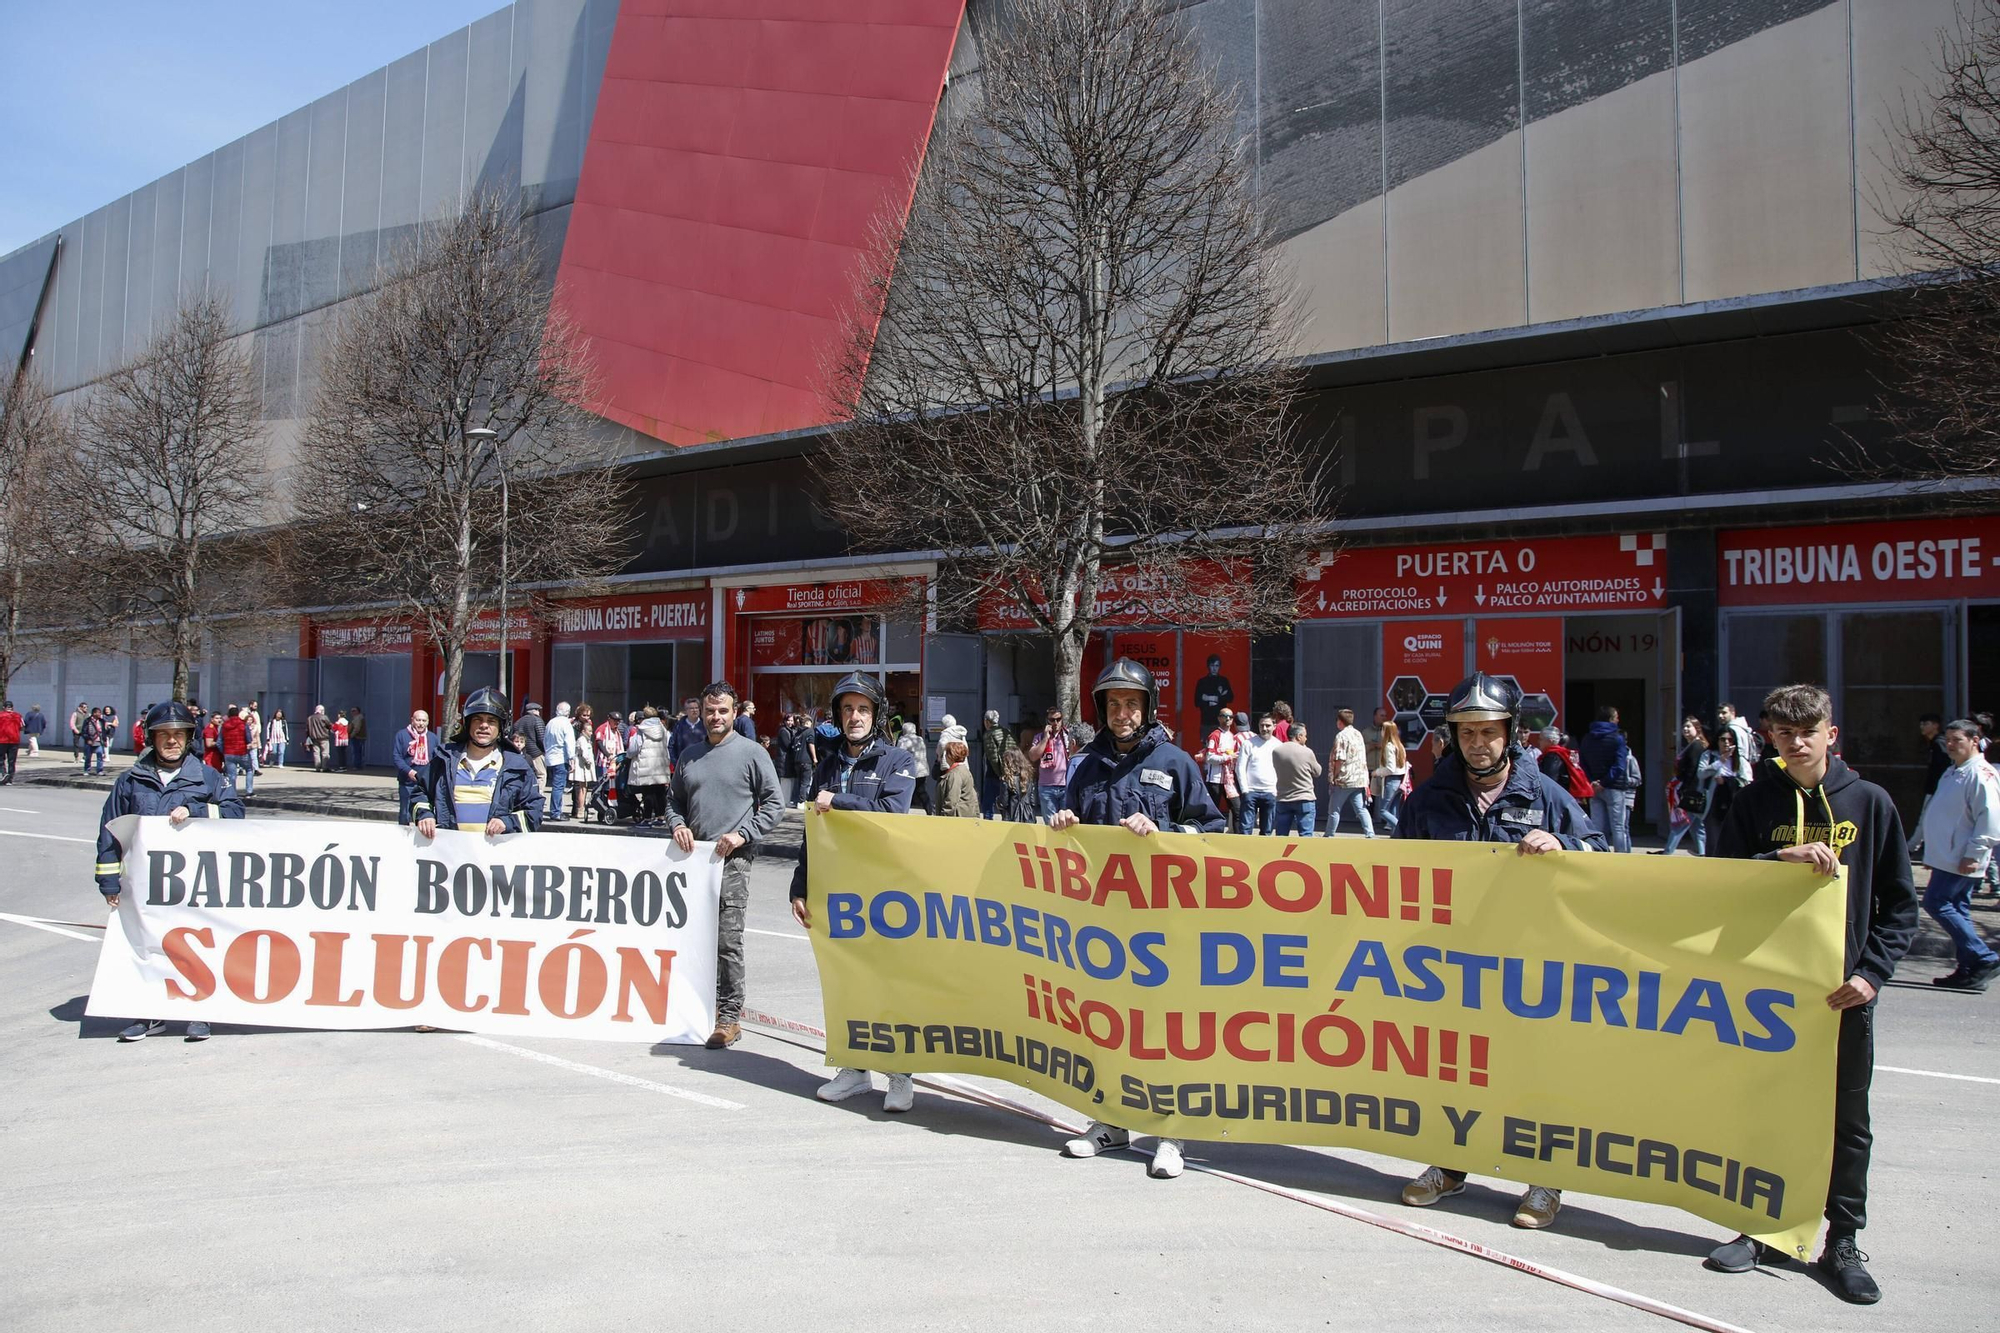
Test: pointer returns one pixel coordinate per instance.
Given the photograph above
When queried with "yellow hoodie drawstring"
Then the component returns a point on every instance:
(1799, 804)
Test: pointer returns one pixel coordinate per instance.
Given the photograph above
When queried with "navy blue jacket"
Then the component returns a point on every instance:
(404, 740)
(143, 790)
(1443, 809)
(1157, 779)
(517, 797)
(1604, 755)
(683, 734)
(882, 782)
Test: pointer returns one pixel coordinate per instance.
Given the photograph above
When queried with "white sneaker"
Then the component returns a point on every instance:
(1166, 1160)
(902, 1094)
(847, 1083)
(1097, 1137)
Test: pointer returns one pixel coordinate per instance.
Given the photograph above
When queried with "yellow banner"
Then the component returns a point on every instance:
(1642, 1027)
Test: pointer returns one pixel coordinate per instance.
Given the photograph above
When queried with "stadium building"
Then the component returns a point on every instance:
(1588, 285)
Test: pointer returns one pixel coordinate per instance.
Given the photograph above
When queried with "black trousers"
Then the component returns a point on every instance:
(1853, 1136)
(7, 754)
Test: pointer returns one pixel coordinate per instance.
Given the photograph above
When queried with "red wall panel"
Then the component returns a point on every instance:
(740, 153)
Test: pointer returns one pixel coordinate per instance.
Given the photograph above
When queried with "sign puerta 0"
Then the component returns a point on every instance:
(1610, 572)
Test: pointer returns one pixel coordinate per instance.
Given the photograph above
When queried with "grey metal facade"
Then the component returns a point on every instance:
(294, 217)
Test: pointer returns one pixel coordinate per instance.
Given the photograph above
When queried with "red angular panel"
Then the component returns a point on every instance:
(740, 152)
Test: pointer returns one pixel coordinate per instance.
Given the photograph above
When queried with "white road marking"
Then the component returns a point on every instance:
(50, 837)
(1933, 1073)
(629, 1080)
(17, 810)
(33, 924)
(1416, 1231)
(781, 934)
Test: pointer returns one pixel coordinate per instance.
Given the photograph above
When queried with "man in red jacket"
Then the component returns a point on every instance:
(235, 738)
(10, 741)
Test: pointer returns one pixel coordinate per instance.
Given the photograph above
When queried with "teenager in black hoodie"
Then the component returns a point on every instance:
(1814, 811)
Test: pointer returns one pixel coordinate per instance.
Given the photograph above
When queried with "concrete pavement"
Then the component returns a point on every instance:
(401, 1180)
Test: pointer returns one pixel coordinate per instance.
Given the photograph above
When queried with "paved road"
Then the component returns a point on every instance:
(309, 1180)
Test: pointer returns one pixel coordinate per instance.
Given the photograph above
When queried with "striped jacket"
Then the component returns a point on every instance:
(517, 797)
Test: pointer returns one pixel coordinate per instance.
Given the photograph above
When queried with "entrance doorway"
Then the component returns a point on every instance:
(1629, 661)
(1982, 658)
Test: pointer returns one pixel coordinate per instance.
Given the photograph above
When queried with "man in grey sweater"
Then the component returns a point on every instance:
(725, 790)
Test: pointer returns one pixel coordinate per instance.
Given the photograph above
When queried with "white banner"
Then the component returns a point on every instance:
(298, 923)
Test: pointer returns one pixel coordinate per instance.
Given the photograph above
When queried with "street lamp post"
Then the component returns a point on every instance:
(492, 437)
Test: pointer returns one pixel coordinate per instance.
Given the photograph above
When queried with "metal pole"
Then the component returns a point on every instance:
(503, 578)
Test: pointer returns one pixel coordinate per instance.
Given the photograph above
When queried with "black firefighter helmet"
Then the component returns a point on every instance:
(170, 716)
(858, 682)
(1483, 698)
(1125, 674)
(485, 700)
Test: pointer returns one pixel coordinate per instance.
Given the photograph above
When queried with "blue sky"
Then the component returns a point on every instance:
(97, 97)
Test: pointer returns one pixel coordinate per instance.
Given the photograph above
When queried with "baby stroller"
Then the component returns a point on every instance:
(602, 799)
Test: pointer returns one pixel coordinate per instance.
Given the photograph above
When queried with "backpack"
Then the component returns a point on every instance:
(1749, 744)
(1579, 784)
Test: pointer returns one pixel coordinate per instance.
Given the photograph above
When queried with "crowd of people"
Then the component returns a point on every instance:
(235, 740)
(1777, 790)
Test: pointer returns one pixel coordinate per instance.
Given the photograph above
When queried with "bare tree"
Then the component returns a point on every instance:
(170, 462)
(36, 439)
(1941, 207)
(402, 493)
(1077, 387)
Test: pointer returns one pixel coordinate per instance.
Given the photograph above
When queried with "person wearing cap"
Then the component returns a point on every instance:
(1133, 776)
(863, 772)
(531, 738)
(478, 780)
(164, 780)
(1481, 792)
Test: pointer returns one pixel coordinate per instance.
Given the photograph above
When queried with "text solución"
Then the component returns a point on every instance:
(1180, 903)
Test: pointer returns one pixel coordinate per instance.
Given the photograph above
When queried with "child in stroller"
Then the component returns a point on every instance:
(602, 800)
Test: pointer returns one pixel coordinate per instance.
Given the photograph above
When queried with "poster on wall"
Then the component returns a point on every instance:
(1531, 651)
(841, 641)
(816, 641)
(1156, 652)
(1218, 665)
(775, 643)
(1421, 661)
